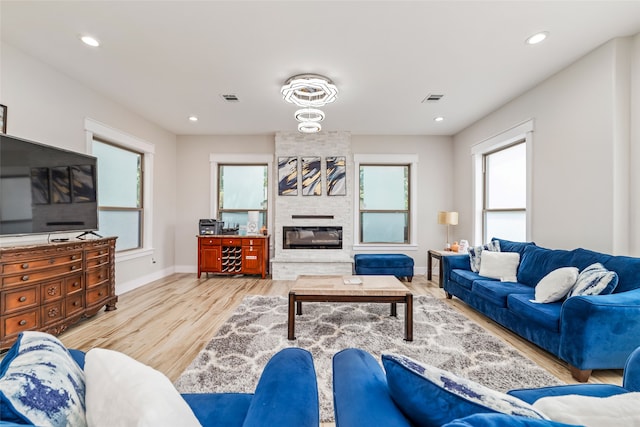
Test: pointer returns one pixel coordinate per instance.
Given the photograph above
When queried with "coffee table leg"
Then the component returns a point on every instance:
(291, 335)
(394, 309)
(299, 308)
(408, 317)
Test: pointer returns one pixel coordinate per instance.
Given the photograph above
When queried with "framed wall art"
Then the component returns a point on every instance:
(311, 176)
(336, 176)
(287, 176)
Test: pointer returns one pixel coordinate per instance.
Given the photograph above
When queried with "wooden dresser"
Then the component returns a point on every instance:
(233, 254)
(47, 287)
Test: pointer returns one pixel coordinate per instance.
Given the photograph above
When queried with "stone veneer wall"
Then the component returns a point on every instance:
(287, 264)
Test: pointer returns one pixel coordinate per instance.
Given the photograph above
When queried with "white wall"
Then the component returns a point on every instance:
(47, 106)
(581, 176)
(193, 183)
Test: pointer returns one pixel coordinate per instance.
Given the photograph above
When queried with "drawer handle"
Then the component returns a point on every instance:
(22, 322)
(76, 284)
(25, 265)
(75, 303)
(99, 294)
(52, 290)
(25, 277)
(73, 257)
(53, 312)
(73, 267)
(22, 299)
(99, 276)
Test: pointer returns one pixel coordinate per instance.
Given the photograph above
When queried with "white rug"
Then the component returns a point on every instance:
(235, 357)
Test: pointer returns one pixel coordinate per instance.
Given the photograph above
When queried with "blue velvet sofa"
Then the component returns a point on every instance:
(587, 332)
(364, 396)
(286, 394)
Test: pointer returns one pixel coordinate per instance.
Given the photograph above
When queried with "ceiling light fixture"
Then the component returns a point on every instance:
(537, 38)
(309, 115)
(438, 119)
(309, 90)
(90, 41)
(309, 127)
(193, 118)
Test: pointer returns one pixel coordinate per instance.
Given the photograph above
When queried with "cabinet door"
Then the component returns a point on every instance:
(251, 260)
(210, 259)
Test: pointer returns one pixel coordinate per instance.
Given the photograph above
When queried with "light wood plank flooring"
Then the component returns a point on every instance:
(165, 323)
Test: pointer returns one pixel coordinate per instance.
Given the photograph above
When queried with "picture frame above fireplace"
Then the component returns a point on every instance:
(336, 176)
(287, 176)
(311, 176)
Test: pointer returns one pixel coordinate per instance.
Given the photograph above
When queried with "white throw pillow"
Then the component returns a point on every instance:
(121, 391)
(500, 265)
(617, 410)
(556, 285)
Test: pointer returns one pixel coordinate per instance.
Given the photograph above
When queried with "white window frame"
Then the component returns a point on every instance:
(383, 160)
(240, 159)
(95, 129)
(520, 132)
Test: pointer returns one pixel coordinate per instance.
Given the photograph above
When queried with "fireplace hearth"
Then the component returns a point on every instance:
(310, 237)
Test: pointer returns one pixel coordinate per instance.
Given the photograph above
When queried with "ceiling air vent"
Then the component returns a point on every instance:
(432, 97)
(230, 97)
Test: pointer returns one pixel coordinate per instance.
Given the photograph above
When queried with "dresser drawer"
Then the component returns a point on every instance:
(53, 312)
(74, 303)
(253, 242)
(207, 241)
(97, 294)
(36, 264)
(52, 291)
(98, 252)
(20, 299)
(97, 261)
(22, 322)
(231, 242)
(73, 284)
(30, 277)
(97, 276)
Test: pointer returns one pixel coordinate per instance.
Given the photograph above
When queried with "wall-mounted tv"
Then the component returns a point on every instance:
(45, 189)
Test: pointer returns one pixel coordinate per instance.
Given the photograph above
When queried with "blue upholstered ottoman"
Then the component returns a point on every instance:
(398, 265)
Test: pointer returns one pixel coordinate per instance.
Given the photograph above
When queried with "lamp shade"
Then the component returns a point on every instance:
(448, 218)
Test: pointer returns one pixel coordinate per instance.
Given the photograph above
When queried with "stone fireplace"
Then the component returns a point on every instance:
(313, 213)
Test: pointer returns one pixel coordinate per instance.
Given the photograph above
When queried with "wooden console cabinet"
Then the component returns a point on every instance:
(233, 254)
(47, 287)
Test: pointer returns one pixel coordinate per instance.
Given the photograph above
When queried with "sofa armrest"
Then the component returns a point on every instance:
(287, 393)
(600, 331)
(360, 394)
(631, 378)
(454, 262)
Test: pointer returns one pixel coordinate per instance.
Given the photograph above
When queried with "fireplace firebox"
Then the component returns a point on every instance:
(301, 237)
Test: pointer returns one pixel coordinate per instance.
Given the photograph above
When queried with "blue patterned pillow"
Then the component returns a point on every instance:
(41, 384)
(429, 396)
(475, 252)
(594, 280)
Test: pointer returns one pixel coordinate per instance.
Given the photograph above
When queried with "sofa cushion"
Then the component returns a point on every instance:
(628, 270)
(509, 246)
(499, 265)
(122, 391)
(476, 252)
(41, 384)
(595, 280)
(617, 410)
(556, 285)
(219, 409)
(429, 396)
(464, 278)
(537, 262)
(497, 292)
(545, 315)
(502, 420)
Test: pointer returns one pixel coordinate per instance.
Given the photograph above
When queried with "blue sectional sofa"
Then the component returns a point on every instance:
(587, 332)
(365, 395)
(34, 372)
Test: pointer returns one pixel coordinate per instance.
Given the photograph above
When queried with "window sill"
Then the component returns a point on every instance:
(385, 247)
(133, 254)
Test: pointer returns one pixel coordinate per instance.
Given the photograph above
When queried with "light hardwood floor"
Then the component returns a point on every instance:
(164, 324)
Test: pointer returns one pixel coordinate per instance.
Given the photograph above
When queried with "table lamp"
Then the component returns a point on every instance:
(448, 219)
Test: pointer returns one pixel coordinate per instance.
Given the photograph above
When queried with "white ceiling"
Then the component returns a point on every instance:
(166, 60)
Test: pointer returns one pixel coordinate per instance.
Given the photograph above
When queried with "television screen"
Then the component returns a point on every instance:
(45, 189)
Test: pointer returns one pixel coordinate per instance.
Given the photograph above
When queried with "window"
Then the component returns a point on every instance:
(242, 188)
(502, 193)
(120, 183)
(505, 193)
(384, 203)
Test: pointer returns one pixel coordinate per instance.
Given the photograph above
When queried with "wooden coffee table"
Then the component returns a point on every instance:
(384, 289)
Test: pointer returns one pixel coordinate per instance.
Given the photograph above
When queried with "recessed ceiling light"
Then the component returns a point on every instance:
(438, 119)
(90, 41)
(193, 118)
(537, 38)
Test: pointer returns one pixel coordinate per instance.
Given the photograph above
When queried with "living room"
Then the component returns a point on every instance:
(583, 154)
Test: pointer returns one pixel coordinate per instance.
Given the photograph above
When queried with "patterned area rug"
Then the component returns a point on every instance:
(235, 357)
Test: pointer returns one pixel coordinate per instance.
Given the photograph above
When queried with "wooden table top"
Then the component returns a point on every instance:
(340, 285)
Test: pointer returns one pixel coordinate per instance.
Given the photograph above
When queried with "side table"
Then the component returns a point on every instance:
(437, 254)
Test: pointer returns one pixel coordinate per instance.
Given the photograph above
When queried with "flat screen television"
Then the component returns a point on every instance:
(44, 189)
